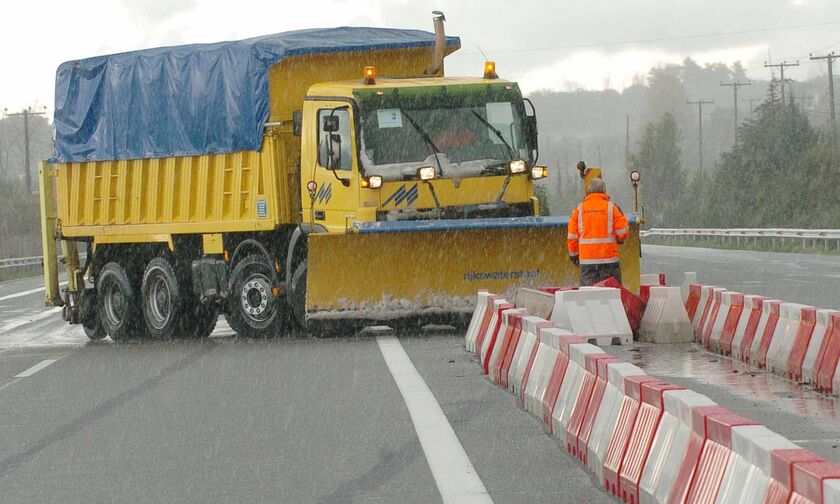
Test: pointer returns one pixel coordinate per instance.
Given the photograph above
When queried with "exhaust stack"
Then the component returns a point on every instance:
(440, 45)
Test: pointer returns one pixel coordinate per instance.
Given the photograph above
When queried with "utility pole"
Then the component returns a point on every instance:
(781, 66)
(700, 104)
(735, 85)
(27, 112)
(829, 58)
(752, 107)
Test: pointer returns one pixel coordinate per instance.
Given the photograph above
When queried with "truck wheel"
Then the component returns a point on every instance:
(297, 294)
(253, 309)
(163, 308)
(116, 303)
(200, 323)
(93, 329)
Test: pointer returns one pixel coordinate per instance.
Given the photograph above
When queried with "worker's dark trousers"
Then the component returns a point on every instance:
(590, 274)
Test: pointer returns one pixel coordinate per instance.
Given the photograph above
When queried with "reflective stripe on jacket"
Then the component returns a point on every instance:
(596, 227)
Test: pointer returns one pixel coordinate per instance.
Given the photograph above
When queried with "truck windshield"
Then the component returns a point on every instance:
(461, 130)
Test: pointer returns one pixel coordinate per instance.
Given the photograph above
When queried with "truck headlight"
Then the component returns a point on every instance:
(517, 166)
(372, 182)
(426, 173)
(538, 172)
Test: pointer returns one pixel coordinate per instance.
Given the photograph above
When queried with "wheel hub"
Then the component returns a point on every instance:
(160, 303)
(254, 297)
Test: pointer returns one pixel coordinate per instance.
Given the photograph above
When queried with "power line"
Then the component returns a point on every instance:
(829, 58)
(652, 40)
(700, 104)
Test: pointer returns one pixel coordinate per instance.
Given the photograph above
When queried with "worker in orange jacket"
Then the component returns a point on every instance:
(596, 228)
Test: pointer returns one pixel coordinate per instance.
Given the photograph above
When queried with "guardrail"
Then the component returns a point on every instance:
(737, 236)
(20, 262)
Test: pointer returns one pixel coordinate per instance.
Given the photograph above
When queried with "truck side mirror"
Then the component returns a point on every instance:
(330, 123)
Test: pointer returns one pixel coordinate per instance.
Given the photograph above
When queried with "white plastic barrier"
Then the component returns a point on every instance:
(605, 420)
(831, 489)
(527, 340)
(537, 302)
(779, 351)
(488, 340)
(538, 378)
(741, 329)
(501, 340)
(669, 445)
(690, 278)
(712, 316)
(766, 307)
(570, 389)
(593, 313)
(809, 371)
(665, 319)
(720, 320)
(747, 476)
(703, 307)
(475, 322)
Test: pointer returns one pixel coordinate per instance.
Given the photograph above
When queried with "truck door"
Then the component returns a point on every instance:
(330, 162)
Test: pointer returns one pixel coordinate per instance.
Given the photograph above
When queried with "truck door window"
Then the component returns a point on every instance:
(341, 139)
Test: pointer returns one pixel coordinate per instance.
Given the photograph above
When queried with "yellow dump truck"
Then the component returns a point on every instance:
(331, 174)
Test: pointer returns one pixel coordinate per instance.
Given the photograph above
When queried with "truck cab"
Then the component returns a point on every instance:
(383, 150)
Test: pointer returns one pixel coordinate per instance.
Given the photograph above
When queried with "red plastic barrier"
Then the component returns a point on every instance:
(716, 450)
(828, 358)
(731, 323)
(494, 334)
(617, 447)
(706, 335)
(641, 440)
(504, 343)
(690, 461)
(634, 307)
(752, 325)
(704, 315)
(807, 322)
(644, 293)
(584, 398)
(511, 352)
(782, 463)
(769, 329)
(485, 324)
(693, 300)
(808, 480)
(592, 409)
(552, 390)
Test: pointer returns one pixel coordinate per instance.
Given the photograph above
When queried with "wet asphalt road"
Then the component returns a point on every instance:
(307, 420)
(293, 420)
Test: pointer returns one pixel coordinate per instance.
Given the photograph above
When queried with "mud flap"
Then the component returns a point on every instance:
(387, 270)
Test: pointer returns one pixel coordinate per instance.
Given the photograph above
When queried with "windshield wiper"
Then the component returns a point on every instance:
(426, 138)
(494, 130)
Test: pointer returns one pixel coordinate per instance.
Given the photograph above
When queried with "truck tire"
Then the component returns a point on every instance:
(253, 310)
(116, 303)
(93, 329)
(200, 322)
(162, 300)
(297, 294)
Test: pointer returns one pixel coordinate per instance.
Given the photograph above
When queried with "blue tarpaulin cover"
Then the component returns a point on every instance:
(189, 100)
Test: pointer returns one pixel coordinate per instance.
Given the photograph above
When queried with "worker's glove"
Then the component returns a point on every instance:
(575, 260)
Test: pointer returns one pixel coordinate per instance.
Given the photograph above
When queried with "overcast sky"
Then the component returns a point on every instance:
(555, 44)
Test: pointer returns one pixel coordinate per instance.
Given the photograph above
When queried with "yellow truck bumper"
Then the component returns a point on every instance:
(383, 271)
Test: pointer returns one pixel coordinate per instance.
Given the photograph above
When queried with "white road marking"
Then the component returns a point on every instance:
(454, 474)
(28, 319)
(37, 367)
(26, 292)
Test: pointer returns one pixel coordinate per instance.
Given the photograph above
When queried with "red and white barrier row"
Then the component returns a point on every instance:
(799, 342)
(648, 441)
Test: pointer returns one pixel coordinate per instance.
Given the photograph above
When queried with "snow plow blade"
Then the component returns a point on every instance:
(383, 271)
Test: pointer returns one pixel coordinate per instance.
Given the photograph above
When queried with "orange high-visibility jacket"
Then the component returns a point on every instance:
(596, 227)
